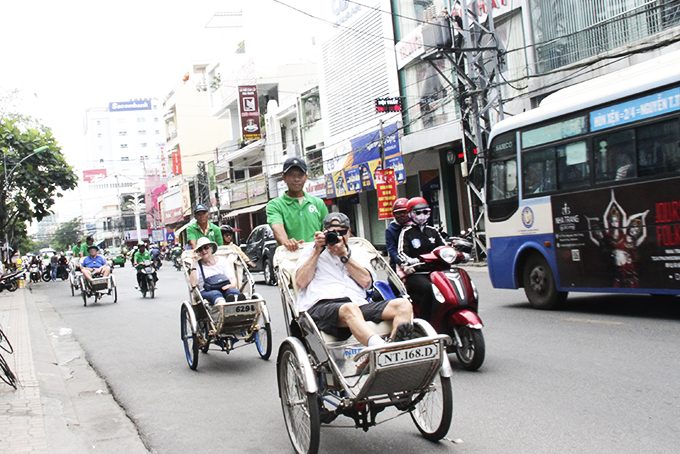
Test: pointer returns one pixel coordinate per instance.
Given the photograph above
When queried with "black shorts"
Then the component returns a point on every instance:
(325, 315)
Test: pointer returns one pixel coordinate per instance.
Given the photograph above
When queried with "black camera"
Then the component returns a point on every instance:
(332, 238)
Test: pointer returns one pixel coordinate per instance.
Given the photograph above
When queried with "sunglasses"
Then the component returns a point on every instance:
(204, 248)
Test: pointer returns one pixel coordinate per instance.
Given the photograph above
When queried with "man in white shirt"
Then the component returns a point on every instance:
(333, 280)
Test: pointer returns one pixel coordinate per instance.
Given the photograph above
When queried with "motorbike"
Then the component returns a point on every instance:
(456, 314)
(34, 273)
(147, 282)
(177, 263)
(10, 281)
(47, 273)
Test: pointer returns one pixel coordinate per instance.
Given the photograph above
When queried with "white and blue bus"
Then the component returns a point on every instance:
(583, 192)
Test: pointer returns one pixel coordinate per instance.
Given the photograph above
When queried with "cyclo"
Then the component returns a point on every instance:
(319, 380)
(226, 325)
(99, 286)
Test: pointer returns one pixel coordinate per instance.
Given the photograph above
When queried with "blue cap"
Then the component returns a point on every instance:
(200, 208)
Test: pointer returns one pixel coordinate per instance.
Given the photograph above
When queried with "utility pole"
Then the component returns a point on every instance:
(475, 66)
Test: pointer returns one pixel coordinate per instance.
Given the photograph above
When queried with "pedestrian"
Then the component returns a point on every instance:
(54, 263)
(203, 228)
(295, 216)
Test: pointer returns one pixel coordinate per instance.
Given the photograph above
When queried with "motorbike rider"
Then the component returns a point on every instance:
(141, 256)
(176, 253)
(155, 252)
(415, 240)
(36, 261)
(401, 220)
(227, 235)
(94, 263)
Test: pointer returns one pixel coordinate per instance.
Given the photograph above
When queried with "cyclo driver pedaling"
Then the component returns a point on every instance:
(321, 376)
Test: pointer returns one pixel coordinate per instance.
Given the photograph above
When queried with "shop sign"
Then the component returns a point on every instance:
(386, 189)
(357, 173)
(250, 112)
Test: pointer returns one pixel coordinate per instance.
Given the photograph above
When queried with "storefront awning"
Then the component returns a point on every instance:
(250, 209)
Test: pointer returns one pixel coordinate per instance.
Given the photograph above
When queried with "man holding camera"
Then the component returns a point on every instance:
(332, 268)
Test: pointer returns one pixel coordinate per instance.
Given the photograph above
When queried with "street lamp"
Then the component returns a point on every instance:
(6, 182)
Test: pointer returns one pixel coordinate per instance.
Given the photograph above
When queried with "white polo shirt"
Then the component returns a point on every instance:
(332, 280)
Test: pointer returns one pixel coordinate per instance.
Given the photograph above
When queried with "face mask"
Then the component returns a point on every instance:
(420, 219)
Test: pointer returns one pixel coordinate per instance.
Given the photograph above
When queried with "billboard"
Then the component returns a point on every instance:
(357, 173)
(94, 175)
(126, 106)
(250, 112)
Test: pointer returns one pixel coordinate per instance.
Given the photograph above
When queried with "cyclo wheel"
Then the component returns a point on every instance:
(300, 408)
(263, 338)
(432, 415)
(189, 339)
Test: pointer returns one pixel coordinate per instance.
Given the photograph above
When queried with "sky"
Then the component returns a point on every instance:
(67, 56)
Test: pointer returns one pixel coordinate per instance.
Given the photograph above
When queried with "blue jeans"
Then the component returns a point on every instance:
(54, 272)
(212, 295)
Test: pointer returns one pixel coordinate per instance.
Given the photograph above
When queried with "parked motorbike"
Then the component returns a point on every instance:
(459, 301)
(10, 281)
(34, 273)
(147, 282)
(47, 273)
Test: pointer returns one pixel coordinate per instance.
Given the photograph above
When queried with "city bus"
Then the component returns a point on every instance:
(583, 192)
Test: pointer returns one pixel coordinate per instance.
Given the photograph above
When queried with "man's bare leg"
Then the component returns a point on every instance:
(399, 311)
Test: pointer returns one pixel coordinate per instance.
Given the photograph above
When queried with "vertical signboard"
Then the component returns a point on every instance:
(250, 112)
(386, 188)
(176, 163)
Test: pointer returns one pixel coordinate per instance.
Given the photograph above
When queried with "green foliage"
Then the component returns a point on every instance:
(33, 180)
(28, 245)
(67, 233)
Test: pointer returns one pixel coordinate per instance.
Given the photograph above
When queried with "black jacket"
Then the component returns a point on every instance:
(413, 241)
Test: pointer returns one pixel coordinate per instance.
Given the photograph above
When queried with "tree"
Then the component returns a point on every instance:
(33, 180)
(67, 234)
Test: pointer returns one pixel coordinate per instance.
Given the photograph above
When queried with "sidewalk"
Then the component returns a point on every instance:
(61, 405)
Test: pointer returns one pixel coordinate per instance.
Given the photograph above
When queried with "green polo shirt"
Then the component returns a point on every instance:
(83, 249)
(76, 250)
(194, 232)
(300, 220)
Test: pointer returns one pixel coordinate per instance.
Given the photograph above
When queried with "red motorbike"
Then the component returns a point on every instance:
(457, 314)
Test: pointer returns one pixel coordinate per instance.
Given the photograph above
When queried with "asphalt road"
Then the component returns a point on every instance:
(600, 376)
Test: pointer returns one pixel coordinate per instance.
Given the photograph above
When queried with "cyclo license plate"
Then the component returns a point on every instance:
(241, 309)
(407, 355)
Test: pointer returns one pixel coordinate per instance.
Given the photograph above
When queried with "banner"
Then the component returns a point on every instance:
(92, 176)
(176, 163)
(358, 170)
(386, 188)
(250, 112)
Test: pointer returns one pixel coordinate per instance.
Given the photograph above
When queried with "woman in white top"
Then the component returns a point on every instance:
(207, 265)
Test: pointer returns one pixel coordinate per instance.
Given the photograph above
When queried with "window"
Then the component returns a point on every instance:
(122, 133)
(659, 148)
(100, 148)
(157, 132)
(615, 156)
(99, 122)
(141, 120)
(155, 120)
(573, 170)
(143, 145)
(123, 145)
(554, 132)
(141, 133)
(538, 171)
(124, 158)
(99, 135)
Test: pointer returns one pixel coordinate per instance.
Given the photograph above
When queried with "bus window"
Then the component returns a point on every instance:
(573, 170)
(503, 180)
(615, 156)
(538, 172)
(658, 148)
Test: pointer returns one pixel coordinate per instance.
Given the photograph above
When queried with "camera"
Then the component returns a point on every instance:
(332, 238)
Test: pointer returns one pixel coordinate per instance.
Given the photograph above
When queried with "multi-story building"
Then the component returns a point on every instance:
(123, 141)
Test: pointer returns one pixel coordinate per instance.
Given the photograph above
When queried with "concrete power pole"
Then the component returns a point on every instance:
(475, 55)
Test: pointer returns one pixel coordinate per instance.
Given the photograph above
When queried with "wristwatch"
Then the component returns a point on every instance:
(345, 258)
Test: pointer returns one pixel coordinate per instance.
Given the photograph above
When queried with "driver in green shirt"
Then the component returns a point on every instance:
(89, 241)
(76, 248)
(295, 216)
(141, 256)
(203, 228)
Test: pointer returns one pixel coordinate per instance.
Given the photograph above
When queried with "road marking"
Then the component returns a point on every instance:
(594, 322)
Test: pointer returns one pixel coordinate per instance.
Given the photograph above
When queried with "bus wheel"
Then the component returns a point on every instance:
(539, 284)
